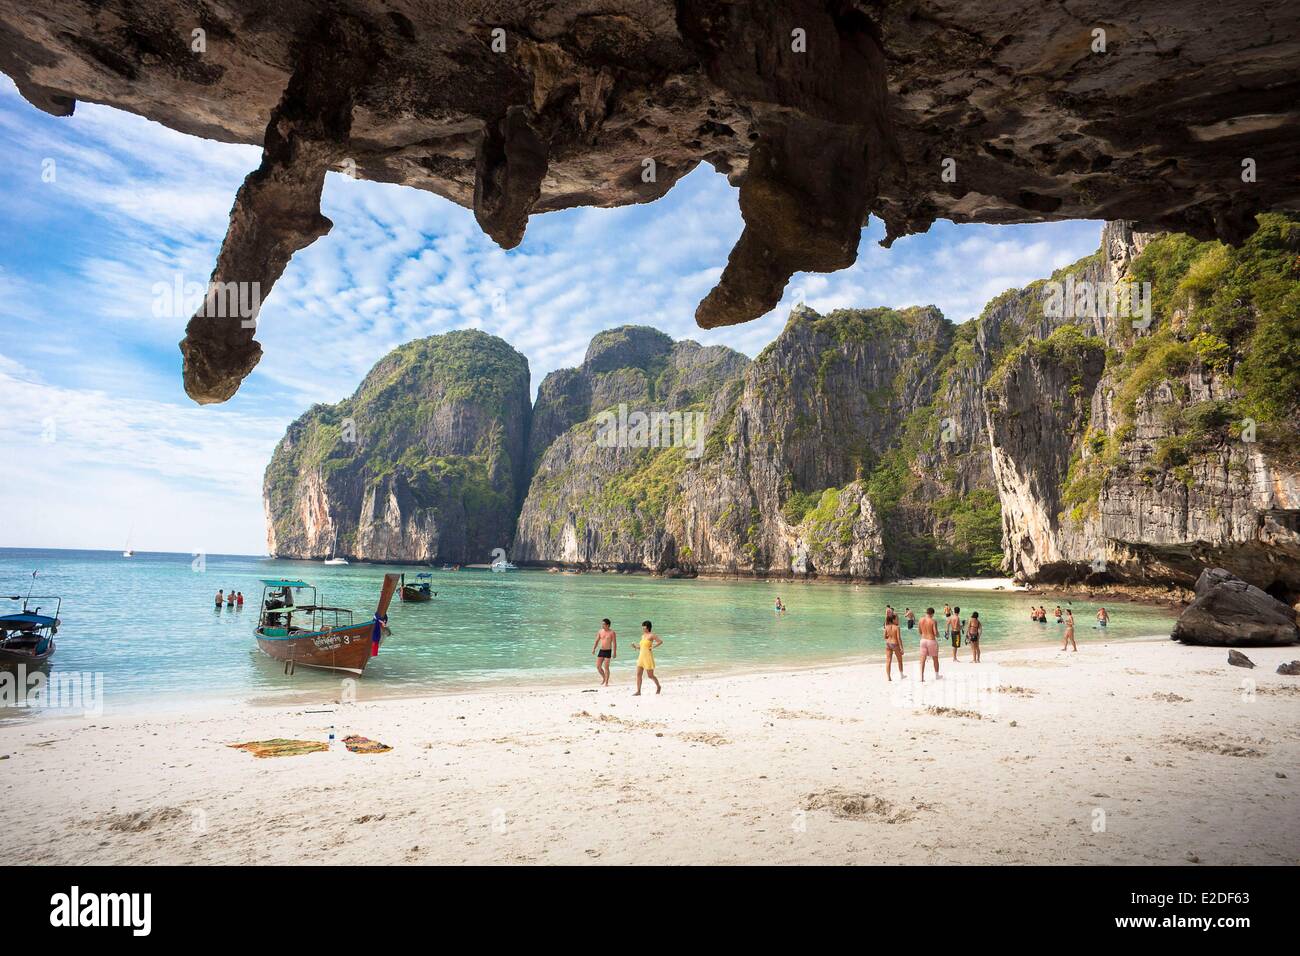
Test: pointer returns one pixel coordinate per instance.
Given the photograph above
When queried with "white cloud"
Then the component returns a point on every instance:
(85, 466)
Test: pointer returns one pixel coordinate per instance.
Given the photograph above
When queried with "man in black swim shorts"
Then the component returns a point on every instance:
(605, 649)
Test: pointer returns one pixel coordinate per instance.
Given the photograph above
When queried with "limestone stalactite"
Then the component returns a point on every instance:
(277, 210)
(510, 167)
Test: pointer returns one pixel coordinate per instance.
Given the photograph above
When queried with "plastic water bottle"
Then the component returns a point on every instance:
(331, 740)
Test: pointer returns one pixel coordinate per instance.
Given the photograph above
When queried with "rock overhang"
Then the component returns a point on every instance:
(1179, 115)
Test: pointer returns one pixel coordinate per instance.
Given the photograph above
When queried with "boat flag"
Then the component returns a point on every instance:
(377, 633)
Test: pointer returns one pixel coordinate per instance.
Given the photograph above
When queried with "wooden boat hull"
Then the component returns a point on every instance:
(337, 648)
(415, 595)
(344, 649)
(12, 657)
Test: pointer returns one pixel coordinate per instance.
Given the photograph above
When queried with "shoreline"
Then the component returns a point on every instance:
(830, 764)
(518, 683)
(1153, 595)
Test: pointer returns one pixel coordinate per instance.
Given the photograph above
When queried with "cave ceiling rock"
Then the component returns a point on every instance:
(822, 112)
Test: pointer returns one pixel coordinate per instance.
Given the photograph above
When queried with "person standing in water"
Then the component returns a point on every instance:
(779, 605)
(1102, 617)
(220, 599)
(911, 618)
(893, 647)
(645, 662)
(929, 642)
(1058, 614)
(1069, 632)
(973, 630)
(605, 649)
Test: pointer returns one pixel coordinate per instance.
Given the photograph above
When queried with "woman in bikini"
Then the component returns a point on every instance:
(893, 646)
(1069, 632)
(973, 630)
(645, 662)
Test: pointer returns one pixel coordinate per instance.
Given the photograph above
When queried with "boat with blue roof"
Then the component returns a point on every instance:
(27, 637)
(294, 627)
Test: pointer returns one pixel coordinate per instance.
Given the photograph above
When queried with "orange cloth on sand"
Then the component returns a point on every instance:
(280, 747)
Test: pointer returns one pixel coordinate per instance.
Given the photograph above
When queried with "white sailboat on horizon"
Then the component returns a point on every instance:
(129, 553)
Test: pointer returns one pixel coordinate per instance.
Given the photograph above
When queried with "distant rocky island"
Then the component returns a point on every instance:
(1055, 444)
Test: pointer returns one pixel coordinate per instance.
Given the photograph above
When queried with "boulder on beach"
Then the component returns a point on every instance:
(1228, 612)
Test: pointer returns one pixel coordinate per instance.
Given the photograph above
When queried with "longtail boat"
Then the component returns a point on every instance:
(295, 629)
(421, 590)
(28, 636)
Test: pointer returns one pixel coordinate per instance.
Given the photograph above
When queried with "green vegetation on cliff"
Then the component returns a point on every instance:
(1229, 315)
(441, 419)
(1231, 311)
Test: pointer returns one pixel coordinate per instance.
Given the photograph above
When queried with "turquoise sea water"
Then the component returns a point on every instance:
(148, 625)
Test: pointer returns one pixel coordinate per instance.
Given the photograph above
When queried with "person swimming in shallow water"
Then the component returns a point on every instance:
(645, 662)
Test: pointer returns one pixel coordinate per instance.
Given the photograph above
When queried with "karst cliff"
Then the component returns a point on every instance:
(1055, 443)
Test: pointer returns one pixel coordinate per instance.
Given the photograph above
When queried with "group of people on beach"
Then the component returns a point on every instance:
(232, 598)
(956, 630)
(606, 650)
(1066, 617)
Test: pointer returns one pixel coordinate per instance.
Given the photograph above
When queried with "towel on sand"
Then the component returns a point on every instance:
(364, 745)
(280, 747)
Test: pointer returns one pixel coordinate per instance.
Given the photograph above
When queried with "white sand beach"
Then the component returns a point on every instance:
(1137, 752)
(962, 584)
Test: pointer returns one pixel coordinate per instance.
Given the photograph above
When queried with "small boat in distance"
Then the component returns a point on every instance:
(28, 636)
(332, 559)
(129, 553)
(421, 590)
(317, 635)
(501, 564)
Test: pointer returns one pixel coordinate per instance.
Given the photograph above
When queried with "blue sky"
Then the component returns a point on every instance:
(90, 377)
